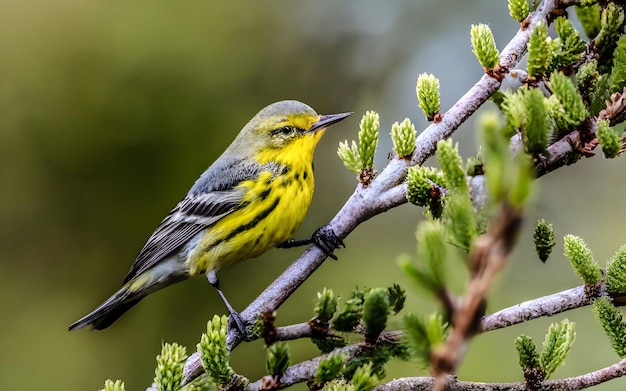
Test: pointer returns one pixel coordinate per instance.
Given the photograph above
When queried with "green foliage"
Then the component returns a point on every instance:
(460, 220)
(616, 272)
(527, 352)
(611, 26)
(277, 358)
(568, 47)
(609, 139)
(330, 367)
(213, 351)
(514, 112)
(610, 318)
(589, 16)
(363, 378)
(109, 385)
(581, 258)
(451, 165)
(403, 138)
(352, 313)
(397, 297)
(326, 305)
(556, 346)
(618, 72)
(421, 335)
(536, 126)
(431, 250)
(428, 95)
(496, 156)
(424, 186)
(375, 311)
(544, 239)
(574, 111)
(506, 178)
(168, 375)
(539, 51)
(484, 46)
(360, 157)
(519, 9)
(587, 80)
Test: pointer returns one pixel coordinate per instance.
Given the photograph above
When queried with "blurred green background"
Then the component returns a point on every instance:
(110, 110)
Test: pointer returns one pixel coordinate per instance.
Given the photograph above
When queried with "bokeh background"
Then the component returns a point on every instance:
(109, 110)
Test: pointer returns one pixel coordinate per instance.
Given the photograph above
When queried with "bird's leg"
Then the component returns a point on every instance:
(212, 277)
(323, 238)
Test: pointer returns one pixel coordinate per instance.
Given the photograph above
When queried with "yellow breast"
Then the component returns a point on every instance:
(275, 205)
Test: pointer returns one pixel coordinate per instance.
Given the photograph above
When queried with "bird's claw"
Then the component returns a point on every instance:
(326, 240)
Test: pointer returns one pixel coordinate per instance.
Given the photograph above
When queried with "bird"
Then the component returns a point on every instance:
(251, 199)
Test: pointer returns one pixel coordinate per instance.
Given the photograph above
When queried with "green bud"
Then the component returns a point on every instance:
(349, 155)
(360, 157)
(544, 239)
(277, 358)
(514, 110)
(368, 138)
(214, 352)
(556, 346)
(424, 188)
(536, 129)
(568, 47)
(616, 272)
(431, 251)
(539, 51)
(326, 305)
(484, 46)
(375, 311)
(338, 385)
(589, 17)
(519, 9)
(573, 105)
(611, 27)
(352, 313)
(168, 375)
(521, 180)
(461, 220)
(496, 157)
(451, 165)
(610, 318)
(527, 352)
(363, 378)
(109, 385)
(421, 335)
(609, 139)
(582, 261)
(587, 79)
(403, 138)
(618, 72)
(428, 96)
(330, 368)
(397, 297)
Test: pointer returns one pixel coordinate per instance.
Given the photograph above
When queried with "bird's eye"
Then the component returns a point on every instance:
(285, 130)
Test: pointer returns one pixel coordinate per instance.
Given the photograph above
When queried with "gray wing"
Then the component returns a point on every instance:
(189, 217)
(213, 196)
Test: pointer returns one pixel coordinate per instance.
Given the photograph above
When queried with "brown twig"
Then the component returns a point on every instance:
(488, 256)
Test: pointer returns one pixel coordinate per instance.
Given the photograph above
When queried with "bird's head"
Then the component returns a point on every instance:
(285, 127)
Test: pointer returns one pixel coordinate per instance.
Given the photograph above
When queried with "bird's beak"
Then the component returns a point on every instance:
(327, 120)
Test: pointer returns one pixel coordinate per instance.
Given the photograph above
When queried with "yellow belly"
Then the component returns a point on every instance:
(275, 208)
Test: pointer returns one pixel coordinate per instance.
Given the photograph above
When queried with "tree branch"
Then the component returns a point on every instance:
(572, 383)
(385, 191)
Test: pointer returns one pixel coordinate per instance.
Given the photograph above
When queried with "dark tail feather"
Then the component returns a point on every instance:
(108, 312)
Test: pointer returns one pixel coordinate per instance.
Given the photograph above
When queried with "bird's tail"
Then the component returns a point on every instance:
(123, 300)
(109, 311)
